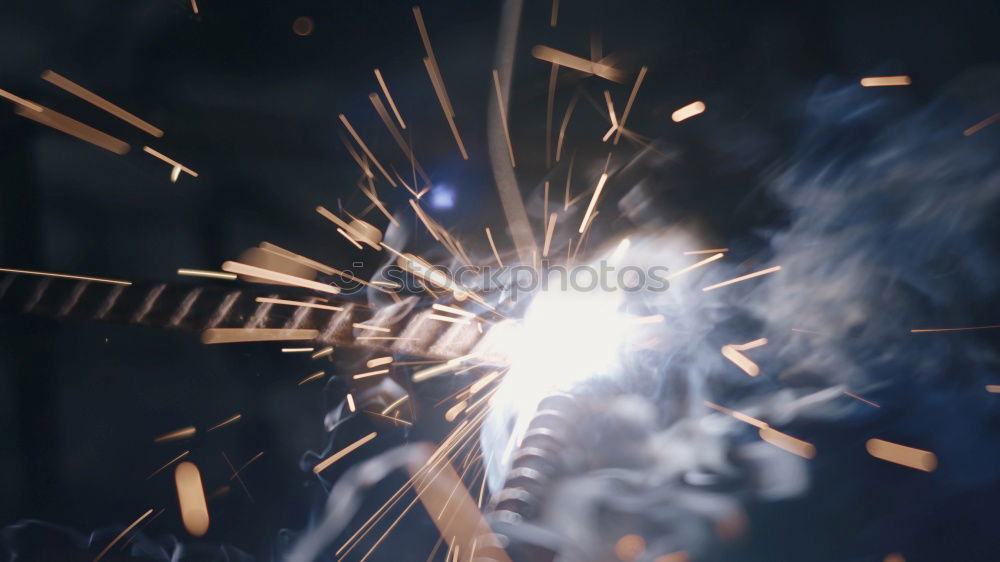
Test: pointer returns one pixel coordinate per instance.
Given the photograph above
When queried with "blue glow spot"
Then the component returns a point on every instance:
(442, 197)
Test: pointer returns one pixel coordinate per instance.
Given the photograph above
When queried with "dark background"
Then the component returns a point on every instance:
(253, 108)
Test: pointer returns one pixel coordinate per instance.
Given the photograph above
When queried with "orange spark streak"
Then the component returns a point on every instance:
(191, 496)
(451, 319)
(697, 265)
(503, 116)
(21, 101)
(483, 382)
(349, 238)
(323, 465)
(122, 534)
(94, 99)
(993, 388)
(593, 202)
(562, 58)
(875, 81)
(378, 361)
(395, 404)
(555, 13)
(856, 397)
(75, 128)
(65, 276)
(361, 326)
(370, 374)
(688, 111)
(434, 71)
(388, 96)
(928, 330)
(732, 352)
(169, 160)
(981, 125)
(364, 147)
(284, 278)
(549, 105)
(611, 113)
(208, 274)
(300, 304)
(902, 455)
(182, 433)
(170, 462)
(350, 403)
(194, 6)
(238, 335)
(548, 234)
(489, 236)
(312, 377)
(784, 441)
(562, 129)
(743, 278)
(453, 310)
(226, 422)
(323, 352)
(454, 411)
(631, 100)
(712, 251)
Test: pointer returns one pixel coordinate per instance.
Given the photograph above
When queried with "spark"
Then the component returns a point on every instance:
(982, 124)
(395, 404)
(555, 13)
(297, 349)
(688, 111)
(712, 251)
(562, 131)
(894, 557)
(856, 397)
(705, 261)
(324, 464)
(652, 319)
(549, 106)
(434, 71)
(450, 319)
(65, 276)
(21, 101)
(238, 335)
(434, 371)
(503, 116)
(902, 455)
(206, 273)
(191, 496)
(361, 326)
(630, 547)
(194, 6)
(96, 100)
(281, 278)
(483, 382)
(562, 58)
(927, 330)
(993, 388)
(246, 464)
(388, 96)
(743, 278)
(732, 352)
(548, 234)
(611, 114)
(75, 128)
(122, 534)
(300, 304)
(738, 415)
(323, 352)
(182, 433)
(453, 310)
(350, 403)
(349, 239)
(875, 81)
(169, 160)
(493, 246)
(364, 147)
(236, 475)
(784, 441)
(370, 374)
(593, 202)
(313, 264)
(379, 361)
(170, 462)
(631, 100)
(455, 410)
(225, 422)
(312, 377)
